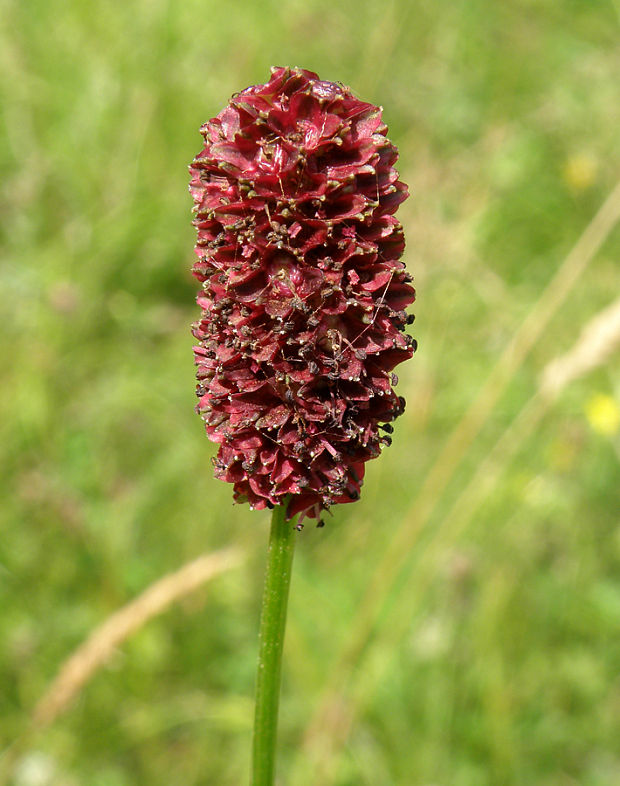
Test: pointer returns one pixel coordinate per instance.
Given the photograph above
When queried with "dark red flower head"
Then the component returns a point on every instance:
(303, 292)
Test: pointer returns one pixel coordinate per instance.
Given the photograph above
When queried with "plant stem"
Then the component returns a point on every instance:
(271, 639)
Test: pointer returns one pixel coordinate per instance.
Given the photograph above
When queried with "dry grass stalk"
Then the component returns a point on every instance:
(598, 340)
(319, 740)
(80, 667)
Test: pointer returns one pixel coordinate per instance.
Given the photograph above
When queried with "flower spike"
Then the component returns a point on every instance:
(303, 291)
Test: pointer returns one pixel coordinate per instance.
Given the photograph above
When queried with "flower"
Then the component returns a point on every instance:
(303, 292)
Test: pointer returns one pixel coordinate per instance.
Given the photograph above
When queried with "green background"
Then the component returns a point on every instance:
(492, 656)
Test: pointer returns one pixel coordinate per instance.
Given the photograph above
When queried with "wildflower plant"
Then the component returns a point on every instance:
(302, 316)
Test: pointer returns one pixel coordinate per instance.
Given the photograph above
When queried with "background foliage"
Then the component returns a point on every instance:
(492, 653)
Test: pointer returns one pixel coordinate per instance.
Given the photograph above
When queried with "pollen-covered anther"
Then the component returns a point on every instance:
(303, 292)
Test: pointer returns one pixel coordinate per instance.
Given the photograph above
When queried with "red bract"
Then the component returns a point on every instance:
(303, 291)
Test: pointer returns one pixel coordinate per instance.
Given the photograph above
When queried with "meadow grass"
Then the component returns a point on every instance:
(486, 651)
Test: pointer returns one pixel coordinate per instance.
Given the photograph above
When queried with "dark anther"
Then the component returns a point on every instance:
(386, 440)
(410, 319)
(394, 379)
(320, 523)
(387, 427)
(402, 402)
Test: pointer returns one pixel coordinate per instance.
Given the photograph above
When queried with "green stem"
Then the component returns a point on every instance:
(271, 639)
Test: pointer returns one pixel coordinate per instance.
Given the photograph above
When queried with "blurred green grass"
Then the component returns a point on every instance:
(503, 665)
